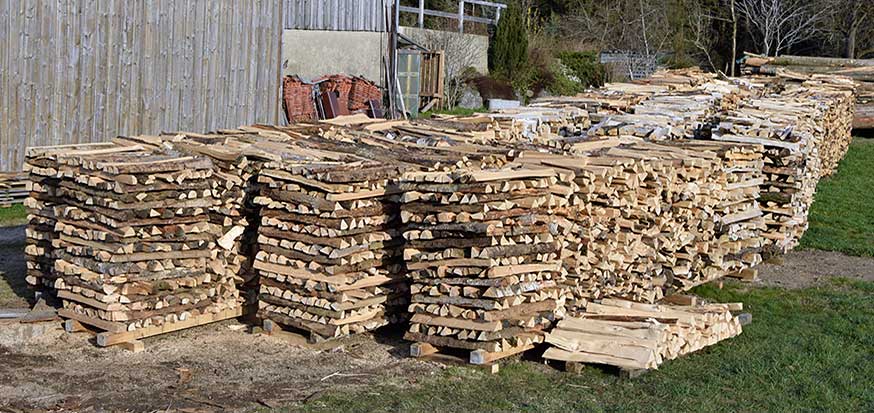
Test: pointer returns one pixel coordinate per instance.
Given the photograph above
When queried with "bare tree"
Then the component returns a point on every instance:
(777, 25)
(701, 26)
(850, 25)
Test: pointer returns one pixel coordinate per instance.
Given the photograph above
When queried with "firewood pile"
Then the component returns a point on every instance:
(237, 156)
(655, 217)
(484, 229)
(13, 188)
(329, 246)
(539, 126)
(635, 336)
(613, 98)
(41, 165)
(805, 132)
(834, 99)
(134, 247)
(483, 250)
(735, 243)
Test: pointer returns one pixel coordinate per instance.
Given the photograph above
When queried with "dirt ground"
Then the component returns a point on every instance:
(801, 269)
(224, 367)
(229, 370)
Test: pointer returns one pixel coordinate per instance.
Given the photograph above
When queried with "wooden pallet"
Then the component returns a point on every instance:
(478, 358)
(111, 334)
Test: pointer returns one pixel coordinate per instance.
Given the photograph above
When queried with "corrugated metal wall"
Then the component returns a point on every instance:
(351, 15)
(87, 70)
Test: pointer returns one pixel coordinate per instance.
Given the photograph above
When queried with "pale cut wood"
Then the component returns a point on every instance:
(110, 338)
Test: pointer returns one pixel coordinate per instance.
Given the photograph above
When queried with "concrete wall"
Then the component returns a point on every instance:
(314, 53)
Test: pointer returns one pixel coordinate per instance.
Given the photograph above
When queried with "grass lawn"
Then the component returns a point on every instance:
(806, 350)
(13, 288)
(842, 215)
(13, 215)
(457, 111)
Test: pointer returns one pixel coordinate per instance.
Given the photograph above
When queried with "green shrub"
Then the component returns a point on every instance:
(564, 80)
(585, 67)
(509, 49)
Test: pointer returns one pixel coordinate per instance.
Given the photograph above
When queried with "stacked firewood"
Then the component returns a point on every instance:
(13, 188)
(329, 245)
(237, 156)
(483, 250)
(634, 336)
(654, 217)
(543, 126)
(834, 100)
(134, 244)
(42, 167)
(735, 243)
(805, 133)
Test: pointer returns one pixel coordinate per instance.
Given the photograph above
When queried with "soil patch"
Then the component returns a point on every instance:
(213, 367)
(808, 268)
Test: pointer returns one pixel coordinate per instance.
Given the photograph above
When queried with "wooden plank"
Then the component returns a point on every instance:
(74, 326)
(101, 324)
(485, 357)
(111, 338)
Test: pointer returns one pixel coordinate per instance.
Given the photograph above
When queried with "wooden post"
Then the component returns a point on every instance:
(461, 16)
(497, 15)
(421, 14)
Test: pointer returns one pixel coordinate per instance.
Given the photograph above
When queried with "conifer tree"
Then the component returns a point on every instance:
(510, 45)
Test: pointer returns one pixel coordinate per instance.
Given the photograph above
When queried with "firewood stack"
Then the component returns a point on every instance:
(13, 188)
(42, 167)
(735, 243)
(834, 98)
(329, 246)
(622, 264)
(635, 336)
(135, 245)
(791, 128)
(237, 156)
(652, 217)
(541, 126)
(483, 251)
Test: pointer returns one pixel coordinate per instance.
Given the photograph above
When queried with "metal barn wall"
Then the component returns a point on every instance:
(76, 71)
(345, 15)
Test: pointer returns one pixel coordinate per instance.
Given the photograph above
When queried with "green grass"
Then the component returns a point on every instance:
(842, 215)
(13, 215)
(806, 350)
(457, 111)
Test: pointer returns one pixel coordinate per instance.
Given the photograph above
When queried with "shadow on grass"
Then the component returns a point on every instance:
(14, 291)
